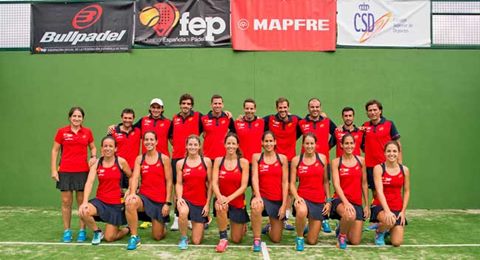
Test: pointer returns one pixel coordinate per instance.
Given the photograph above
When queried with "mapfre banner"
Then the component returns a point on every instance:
(283, 25)
(183, 23)
(394, 23)
(82, 27)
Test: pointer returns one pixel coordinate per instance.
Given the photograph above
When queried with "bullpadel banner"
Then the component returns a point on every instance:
(394, 23)
(283, 25)
(183, 23)
(82, 27)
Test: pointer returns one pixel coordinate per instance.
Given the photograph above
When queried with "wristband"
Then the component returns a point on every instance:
(168, 203)
(93, 156)
(329, 200)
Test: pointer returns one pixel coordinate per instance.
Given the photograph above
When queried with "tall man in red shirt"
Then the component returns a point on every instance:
(249, 129)
(348, 115)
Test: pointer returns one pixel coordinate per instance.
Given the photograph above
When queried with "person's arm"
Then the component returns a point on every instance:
(406, 195)
(257, 198)
(135, 178)
(400, 153)
(244, 183)
(395, 135)
(167, 169)
(293, 180)
(206, 208)
(170, 134)
(326, 186)
(93, 153)
(83, 209)
(366, 206)
(332, 141)
(179, 185)
(215, 187)
(283, 208)
(53, 161)
(377, 178)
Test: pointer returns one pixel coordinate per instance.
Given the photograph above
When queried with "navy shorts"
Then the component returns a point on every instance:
(335, 215)
(314, 210)
(71, 181)
(153, 210)
(271, 208)
(195, 213)
(238, 215)
(113, 214)
(371, 183)
(375, 210)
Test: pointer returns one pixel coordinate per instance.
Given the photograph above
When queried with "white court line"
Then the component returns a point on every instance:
(20, 243)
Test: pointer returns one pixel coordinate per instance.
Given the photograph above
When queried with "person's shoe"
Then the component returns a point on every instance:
(222, 245)
(342, 241)
(257, 245)
(145, 225)
(97, 237)
(266, 229)
(183, 243)
(299, 243)
(174, 226)
(67, 236)
(379, 238)
(326, 226)
(288, 226)
(133, 243)
(82, 236)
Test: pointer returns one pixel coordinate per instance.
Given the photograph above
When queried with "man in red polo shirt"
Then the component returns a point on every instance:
(349, 127)
(249, 129)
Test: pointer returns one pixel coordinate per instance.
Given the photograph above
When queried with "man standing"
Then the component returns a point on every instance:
(249, 130)
(349, 127)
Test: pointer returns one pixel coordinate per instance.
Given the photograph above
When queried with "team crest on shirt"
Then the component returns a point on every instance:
(276, 123)
(187, 172)
(223, 122)
(190, 119)
(357, 168)
(256, 124)
(147, 122)
(178, 120)
(276, 164)
(263, 168)
(145, 167)
(208, 122)
(316, 164)
(322, 125)
(306, 127)
(387, 180)
(114, 168)
(380, 128)
(157, 165)
(162, 124)
(302, 169)
(200, 167)
(344, 171)
(222, 174)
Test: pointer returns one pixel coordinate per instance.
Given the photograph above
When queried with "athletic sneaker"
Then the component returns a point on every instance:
(183, 243)
(82, 236)
(257, 245)
(288, 226)
(133, 243)
(67, 236)
(266, 229)
(222, 245)
(97, 237)
(174, 226)
(299, 243)
(326, 226)
(342, 241)
(145, 225)
(379, 238)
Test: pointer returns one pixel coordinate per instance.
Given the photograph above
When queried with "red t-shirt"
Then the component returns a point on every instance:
(109, 188)
(286, 134)
(351, 182)
(161, 127)
(153, 180)
(357, 136)
(310, 180)
(215, 130)
(229, 181)
(195, 183)
(270, 179)
(376, 136)
(128, 144)
(392, 189)
(323, 129)
(250, 135)
(74, 149)
(180, 129)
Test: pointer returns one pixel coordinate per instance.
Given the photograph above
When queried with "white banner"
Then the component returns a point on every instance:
(394, 23)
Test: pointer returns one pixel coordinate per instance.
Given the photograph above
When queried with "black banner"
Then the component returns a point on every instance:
(183, 23)
(82, 27)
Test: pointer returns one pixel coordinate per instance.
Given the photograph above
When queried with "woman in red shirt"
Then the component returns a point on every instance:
(153, 199)
(312, 191)
(270, 191)
(350, 182)
(389, 206)
(194, 191)
(107, 206)
(73, 142)
(229, 182)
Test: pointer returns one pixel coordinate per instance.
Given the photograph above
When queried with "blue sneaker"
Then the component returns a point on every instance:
(379, 238)
(97, 237)
(133, 243)
(183, 243)
(299, 243)
(288, 226)
(257, 245)
(67, 236)
(266, 229)
(326, 227)
(342, 241)
(82, 236)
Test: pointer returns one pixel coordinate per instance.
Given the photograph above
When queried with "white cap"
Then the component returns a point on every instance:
(157, 101)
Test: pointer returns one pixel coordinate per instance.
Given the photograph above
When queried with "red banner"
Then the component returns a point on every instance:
(284, 25)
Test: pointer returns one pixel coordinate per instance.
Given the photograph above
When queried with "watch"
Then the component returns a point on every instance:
(168, 203)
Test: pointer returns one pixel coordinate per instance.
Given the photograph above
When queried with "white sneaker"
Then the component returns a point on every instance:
(174, 226)
(190, 225)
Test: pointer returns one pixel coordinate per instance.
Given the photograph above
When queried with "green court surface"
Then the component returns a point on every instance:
(34, 233)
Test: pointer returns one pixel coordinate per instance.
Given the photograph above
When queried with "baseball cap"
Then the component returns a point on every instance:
(156, 101)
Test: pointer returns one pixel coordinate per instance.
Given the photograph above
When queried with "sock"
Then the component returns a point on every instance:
(288, 214)
(223, 234)
(98, 231)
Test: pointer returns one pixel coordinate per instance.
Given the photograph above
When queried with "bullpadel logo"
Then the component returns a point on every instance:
(87, 17)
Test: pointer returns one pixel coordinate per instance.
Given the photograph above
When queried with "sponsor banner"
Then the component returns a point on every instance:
(183, 23)
(395, 23)
(287, 25)
(82, 27)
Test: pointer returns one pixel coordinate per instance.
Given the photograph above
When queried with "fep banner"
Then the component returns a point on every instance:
(182, 23)
(394, 23)
(82, 27)
(283, 25)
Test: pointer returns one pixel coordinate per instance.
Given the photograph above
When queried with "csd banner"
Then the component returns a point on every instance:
(283, 25)
(183, 23)
(82, 27)
(396, 23)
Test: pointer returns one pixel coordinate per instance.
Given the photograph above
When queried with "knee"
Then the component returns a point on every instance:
(109, 237)
(301, 212)
(158, 236)
(131, 206)
(257, 211)
(182, 212)
(67, 202)
(311, 240)
(196, 241)
(397, 242)
(355, 241)
(275, 238)
(237, 238)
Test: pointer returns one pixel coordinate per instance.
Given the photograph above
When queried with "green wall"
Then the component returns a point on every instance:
(431, 95)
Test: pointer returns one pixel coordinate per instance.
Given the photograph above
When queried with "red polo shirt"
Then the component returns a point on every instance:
(180, 129)
(286, 133)
(74, 149)
(128, 144)
(357, 136)
(323, 129)
(160, 126)
(215, 129)
(376, 136)
(250, 135)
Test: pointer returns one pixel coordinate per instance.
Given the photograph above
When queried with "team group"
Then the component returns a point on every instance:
(249, 151)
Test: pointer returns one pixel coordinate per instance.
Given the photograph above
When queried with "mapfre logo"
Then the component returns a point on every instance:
(87, 17)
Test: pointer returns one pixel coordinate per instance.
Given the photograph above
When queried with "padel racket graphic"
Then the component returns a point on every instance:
(168, 18)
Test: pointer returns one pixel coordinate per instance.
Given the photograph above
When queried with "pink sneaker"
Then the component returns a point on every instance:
(222, 245)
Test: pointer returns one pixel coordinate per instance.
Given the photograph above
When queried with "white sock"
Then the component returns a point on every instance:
(288, 214)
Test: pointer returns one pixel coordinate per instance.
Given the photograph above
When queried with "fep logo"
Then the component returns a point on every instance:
(162, 17)
(364, 21)
(87, 17)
